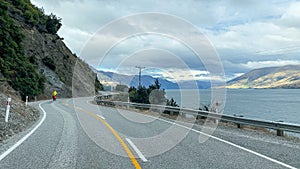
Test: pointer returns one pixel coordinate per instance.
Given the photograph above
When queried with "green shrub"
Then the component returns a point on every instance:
(53, 24)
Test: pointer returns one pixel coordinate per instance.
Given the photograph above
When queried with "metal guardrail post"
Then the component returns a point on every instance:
(279, 132)
(238, 124)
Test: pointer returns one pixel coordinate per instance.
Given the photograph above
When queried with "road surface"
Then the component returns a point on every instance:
(73, 133)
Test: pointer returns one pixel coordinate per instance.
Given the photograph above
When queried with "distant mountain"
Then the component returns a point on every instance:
(133, 80)
(270, 77)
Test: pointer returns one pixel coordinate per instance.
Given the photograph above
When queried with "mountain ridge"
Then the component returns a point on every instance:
(132, 80)
(285, 77)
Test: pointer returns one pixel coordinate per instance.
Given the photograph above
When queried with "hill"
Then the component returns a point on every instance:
(287, 77)
(34, 61)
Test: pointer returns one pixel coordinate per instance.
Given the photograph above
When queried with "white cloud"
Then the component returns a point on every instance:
(75, 37)
(292, 16)
(273, 63)
(242, 31)
(177, 75)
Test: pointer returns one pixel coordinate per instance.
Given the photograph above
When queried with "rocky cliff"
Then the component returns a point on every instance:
(40, 50)
(34, 61)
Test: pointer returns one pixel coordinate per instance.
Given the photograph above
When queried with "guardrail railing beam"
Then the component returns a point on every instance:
(239, 120)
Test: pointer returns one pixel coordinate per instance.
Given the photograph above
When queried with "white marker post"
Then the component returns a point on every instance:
(128, 100)
(7, 109)
(26, 102)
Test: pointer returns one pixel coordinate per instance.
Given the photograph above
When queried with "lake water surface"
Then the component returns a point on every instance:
(266, 104)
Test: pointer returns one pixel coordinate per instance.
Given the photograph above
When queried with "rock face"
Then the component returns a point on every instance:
(44, 52)
(41, 46)
(287, 77)
(47, 51)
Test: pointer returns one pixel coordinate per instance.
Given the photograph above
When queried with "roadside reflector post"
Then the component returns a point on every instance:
(128, 101)
(26, 102)
(7, 109)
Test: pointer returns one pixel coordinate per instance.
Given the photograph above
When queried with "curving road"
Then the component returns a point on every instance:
(72, 133)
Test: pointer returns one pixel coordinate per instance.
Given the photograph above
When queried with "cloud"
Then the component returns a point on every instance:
(271, 63)
(291, 17)
(75, 37)
(178, 75)
(246, 34)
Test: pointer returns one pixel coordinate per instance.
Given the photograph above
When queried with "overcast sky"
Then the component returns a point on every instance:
(245, 34)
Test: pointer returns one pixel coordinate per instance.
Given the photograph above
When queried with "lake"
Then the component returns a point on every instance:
(266, 104)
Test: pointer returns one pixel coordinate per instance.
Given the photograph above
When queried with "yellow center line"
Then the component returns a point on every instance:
(124, 145)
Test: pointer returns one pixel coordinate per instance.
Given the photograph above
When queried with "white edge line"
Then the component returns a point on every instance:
(12, 148)
(101, 117)
(230, 143)
(139, 153)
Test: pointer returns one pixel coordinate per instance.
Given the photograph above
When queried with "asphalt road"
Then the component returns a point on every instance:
(77, 134)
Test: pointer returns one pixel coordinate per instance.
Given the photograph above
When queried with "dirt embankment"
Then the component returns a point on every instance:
(20, 117)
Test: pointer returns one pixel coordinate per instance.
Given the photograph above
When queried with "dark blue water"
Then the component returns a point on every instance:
(266, 104)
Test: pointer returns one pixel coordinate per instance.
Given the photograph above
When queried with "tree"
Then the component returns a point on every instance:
(53, 24)
(98, 85)
(155, 86)
(151, 95)
(156, 95)
(143, 95)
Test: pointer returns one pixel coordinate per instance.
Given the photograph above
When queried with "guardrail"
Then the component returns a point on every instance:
(280, 127)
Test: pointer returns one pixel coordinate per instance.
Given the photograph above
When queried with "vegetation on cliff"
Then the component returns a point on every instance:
(20, 73)
(34, 60)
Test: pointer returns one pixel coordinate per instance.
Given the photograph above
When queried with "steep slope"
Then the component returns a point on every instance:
(271, 77)
(39, 50)
(34, 61)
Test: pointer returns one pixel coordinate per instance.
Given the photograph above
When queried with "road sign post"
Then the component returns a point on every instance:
(7, 109)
